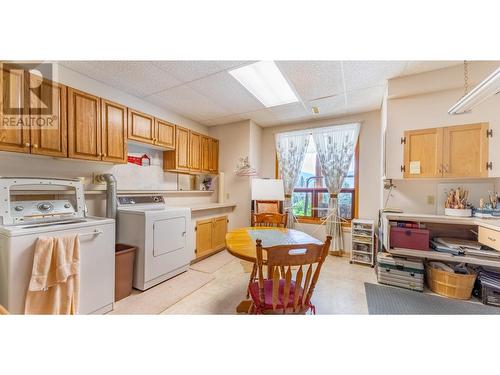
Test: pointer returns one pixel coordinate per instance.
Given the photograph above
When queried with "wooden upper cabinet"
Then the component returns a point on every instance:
(84, 125)
(449, 152)
(205, 154)
(141, 127)
(14, 134)
(49, 131)
(114, 132)
(178, 160)
(423, 153)
(214, 156)
(195, 152)
(465, 151)
(164, 134)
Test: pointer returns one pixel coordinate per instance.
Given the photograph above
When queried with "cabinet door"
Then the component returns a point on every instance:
(204, 237)
(194, 152)
(164, 134)
(84, 125)
(140, 127)
(423, 153)
(205, 154)
(14, 132)
(465, 150)
(114, 132)
(214, 156)
(182, 149)
(49, 133)
(220, 230)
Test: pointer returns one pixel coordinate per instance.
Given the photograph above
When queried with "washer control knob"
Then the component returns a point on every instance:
(45, 206)
(67, 205)
(19, 208)
(156, 199)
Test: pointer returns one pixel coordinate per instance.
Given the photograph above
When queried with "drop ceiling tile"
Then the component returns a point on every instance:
(365, 99)
(364, 74)
(330, 106)
(414, 67)
(186, 101)
(313, 79)
(227, 92)
(187, 71)
(290, 111)
(223, 120)
(140, 78)
(263, 117)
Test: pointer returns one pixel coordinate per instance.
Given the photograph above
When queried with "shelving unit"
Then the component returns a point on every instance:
(363, 244)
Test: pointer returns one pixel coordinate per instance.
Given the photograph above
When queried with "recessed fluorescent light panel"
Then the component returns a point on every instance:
(264, 81)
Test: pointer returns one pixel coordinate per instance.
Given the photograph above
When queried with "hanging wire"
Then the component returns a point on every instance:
(466, 77)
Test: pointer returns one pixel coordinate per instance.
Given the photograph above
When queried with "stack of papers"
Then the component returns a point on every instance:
(458, 246)
(489, 278)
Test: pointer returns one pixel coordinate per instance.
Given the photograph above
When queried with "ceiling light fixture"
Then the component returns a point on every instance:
(266, 82)
(489, 87)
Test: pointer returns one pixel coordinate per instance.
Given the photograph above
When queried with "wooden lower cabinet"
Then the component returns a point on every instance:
(210, 235)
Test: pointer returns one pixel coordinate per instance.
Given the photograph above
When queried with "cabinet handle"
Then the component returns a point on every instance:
(104, 155)
(35, 146)
(27, 145)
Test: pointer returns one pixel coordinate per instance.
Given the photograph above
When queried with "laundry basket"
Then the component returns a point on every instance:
(450, 284)
(124, 270)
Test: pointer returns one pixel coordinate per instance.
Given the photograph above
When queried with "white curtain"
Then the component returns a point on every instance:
(335, 147)
(291, 149)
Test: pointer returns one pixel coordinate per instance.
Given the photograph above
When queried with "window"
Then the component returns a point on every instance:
(310, 196)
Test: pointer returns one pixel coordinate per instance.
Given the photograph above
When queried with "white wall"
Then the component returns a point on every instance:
(422, 101)
(370, 152)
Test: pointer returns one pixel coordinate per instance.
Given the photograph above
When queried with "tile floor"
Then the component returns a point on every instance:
(340, 290)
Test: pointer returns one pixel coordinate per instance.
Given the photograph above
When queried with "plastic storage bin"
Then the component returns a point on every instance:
(124, 270)
(410, 238)
(450, 284)
(490, 296)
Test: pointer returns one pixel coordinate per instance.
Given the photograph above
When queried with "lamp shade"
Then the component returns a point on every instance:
(264, 189)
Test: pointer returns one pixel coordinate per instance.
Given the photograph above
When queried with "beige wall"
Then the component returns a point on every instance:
(370, 152)
(422, 101)
(238, 140)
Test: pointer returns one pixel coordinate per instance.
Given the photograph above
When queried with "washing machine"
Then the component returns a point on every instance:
(162, 234)
(22, 222)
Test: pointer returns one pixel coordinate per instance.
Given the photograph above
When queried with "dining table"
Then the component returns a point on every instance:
(241, 243)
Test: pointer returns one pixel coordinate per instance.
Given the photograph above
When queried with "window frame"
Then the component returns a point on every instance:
(316, 191)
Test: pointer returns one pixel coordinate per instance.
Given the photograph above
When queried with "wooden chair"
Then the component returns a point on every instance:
(270, 219)
(267, 206)
(279, 293)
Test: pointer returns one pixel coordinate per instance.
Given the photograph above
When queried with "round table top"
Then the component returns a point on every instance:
(240, 242)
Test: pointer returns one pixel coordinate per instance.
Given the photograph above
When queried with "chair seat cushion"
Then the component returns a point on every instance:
(268, 294)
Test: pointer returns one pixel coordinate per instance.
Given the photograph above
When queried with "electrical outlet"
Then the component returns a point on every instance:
(431, 199)
(97, 181)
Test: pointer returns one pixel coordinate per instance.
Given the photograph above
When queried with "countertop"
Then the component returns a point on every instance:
(210, 206)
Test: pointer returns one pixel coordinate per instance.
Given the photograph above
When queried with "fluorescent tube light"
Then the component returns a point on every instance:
(265, 81)
(489, 87)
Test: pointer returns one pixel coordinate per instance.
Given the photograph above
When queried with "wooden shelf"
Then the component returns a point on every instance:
(436, 255)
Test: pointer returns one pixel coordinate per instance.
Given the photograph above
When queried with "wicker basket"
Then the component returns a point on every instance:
(450, 284)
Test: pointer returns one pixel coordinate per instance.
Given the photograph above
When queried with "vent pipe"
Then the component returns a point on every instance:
(111, 188)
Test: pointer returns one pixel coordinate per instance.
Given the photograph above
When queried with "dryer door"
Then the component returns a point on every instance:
(169, 235)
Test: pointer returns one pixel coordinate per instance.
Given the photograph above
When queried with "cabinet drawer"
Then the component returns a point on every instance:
(489, 237)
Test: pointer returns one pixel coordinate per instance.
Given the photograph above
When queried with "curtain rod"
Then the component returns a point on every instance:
(319, 127)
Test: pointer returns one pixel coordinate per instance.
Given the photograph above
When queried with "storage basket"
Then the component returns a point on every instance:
(450, 284)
